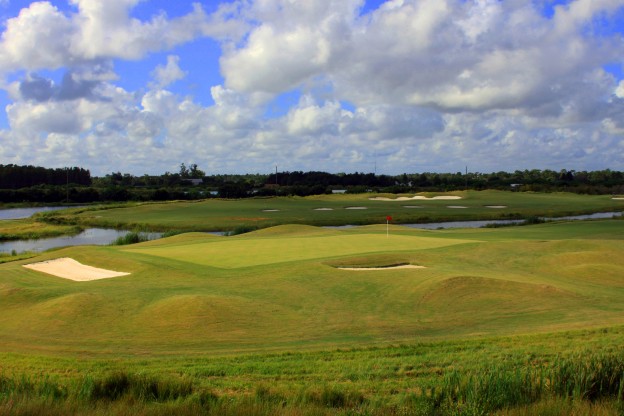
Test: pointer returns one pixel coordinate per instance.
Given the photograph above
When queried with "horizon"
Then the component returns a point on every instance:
(337, 86)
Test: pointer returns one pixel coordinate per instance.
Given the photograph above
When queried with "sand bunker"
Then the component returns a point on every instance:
(412, 206)
(270, 210)
(323, 209)
(496, 206)
(617, 198)
(361, 269)
(456, 206)
(71, 269)
(418, 197)
(356, 208)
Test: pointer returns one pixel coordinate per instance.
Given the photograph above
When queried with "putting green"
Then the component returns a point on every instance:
(258, 249)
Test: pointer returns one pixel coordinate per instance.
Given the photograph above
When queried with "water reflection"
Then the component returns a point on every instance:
(94, 236)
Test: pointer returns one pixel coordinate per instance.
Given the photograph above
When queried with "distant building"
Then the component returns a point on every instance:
(194, 181)
(339, 191)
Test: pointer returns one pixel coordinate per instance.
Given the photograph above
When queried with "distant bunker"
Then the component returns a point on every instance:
(398, 266)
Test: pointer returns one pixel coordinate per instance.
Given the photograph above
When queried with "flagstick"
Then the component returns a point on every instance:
(387, 227)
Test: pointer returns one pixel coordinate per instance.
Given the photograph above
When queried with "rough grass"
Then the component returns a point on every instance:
(31, 229)
(579, 371)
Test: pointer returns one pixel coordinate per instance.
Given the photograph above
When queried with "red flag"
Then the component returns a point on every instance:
(388, 218)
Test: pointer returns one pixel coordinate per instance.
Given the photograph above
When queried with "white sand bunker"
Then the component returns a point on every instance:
(412, 206)
(418, 197)
(456, 206)
(71, 269)
(323, 209)
(496, 206)
(356, 208)
(270, 210)
(361, 269)
(618, 198)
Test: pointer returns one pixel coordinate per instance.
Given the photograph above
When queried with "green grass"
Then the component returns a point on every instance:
(228, 215)
(529, 317)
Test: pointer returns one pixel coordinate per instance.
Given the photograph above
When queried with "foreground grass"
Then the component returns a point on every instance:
(511, 375)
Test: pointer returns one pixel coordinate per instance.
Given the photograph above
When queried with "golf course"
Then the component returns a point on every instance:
(293, 318)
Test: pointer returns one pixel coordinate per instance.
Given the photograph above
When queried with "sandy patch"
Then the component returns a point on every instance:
(323, 209)
(496, 206)
(71, 269)
(361, 269)
(617, 198)
(417, 197)
(356, 208)
(456, 206)
(412, 206)
(270, 210)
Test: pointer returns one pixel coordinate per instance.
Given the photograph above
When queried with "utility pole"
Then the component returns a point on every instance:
(276, 176)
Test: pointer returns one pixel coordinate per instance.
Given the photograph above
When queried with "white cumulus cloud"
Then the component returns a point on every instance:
(169, 73)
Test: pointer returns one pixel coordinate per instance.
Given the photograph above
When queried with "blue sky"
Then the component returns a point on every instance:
(335, 85)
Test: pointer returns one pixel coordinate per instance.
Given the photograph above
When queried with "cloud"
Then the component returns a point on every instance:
(619, 92)
(415, 85)
(169, 73)
(445, 54)
(41, 36)
(72, 87)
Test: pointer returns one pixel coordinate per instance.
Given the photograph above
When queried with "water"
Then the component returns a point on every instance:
(484, 223)
(596, 216)
(462, 224)
(20, 213)
(94, 236)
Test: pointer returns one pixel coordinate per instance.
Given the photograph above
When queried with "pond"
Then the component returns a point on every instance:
(95, 236)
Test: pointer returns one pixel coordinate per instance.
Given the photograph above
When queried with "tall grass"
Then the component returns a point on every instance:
(592, 378)
(130, 238)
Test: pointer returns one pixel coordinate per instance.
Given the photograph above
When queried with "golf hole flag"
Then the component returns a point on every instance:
(388, 219)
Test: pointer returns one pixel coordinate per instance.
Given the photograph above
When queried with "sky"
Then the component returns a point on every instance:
(245, 86)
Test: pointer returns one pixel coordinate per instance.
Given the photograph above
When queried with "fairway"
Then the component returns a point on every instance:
(326, 210)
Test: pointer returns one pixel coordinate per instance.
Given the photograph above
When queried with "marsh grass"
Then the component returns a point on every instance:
(132, 237)
(241, 229)
(29, 229)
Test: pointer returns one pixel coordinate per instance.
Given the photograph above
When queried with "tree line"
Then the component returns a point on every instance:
(18, 177)
(31, 184)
